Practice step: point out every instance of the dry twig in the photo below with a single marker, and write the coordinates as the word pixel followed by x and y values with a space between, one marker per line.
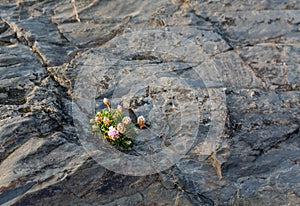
pixel 75 11
pixel 217 166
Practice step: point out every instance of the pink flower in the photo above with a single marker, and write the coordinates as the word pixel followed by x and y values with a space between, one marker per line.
pixel 141 121
pixel 113 133
pixel 121 128
pixel 106 120
pixel 126 120
pixel 92 121
pixel 98 119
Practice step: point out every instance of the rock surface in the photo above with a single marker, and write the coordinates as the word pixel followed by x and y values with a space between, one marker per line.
pixel 227 72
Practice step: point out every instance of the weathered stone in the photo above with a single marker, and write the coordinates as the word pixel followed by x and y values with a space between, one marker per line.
pixel 217 80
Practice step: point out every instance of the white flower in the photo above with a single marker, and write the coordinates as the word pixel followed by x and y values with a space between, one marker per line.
pixel 119 108
pixel 141 121
pixel 126 120
pixel 121 128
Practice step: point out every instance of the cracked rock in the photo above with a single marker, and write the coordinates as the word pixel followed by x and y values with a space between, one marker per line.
pixel 218 82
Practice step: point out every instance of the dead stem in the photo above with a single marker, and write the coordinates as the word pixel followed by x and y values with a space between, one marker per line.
pixel 75 11
pixel 217 166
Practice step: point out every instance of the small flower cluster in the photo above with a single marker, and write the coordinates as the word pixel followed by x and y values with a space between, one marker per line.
pixel 116 128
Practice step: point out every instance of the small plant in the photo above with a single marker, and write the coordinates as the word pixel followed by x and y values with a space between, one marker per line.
pixel 116 128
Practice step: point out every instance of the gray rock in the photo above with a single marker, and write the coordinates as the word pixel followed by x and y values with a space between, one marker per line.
pixel 218 82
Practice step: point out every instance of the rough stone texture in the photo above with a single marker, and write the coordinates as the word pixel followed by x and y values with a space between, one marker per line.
pixel 240 59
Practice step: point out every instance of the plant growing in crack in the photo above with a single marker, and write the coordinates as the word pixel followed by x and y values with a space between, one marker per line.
pixel 114 126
